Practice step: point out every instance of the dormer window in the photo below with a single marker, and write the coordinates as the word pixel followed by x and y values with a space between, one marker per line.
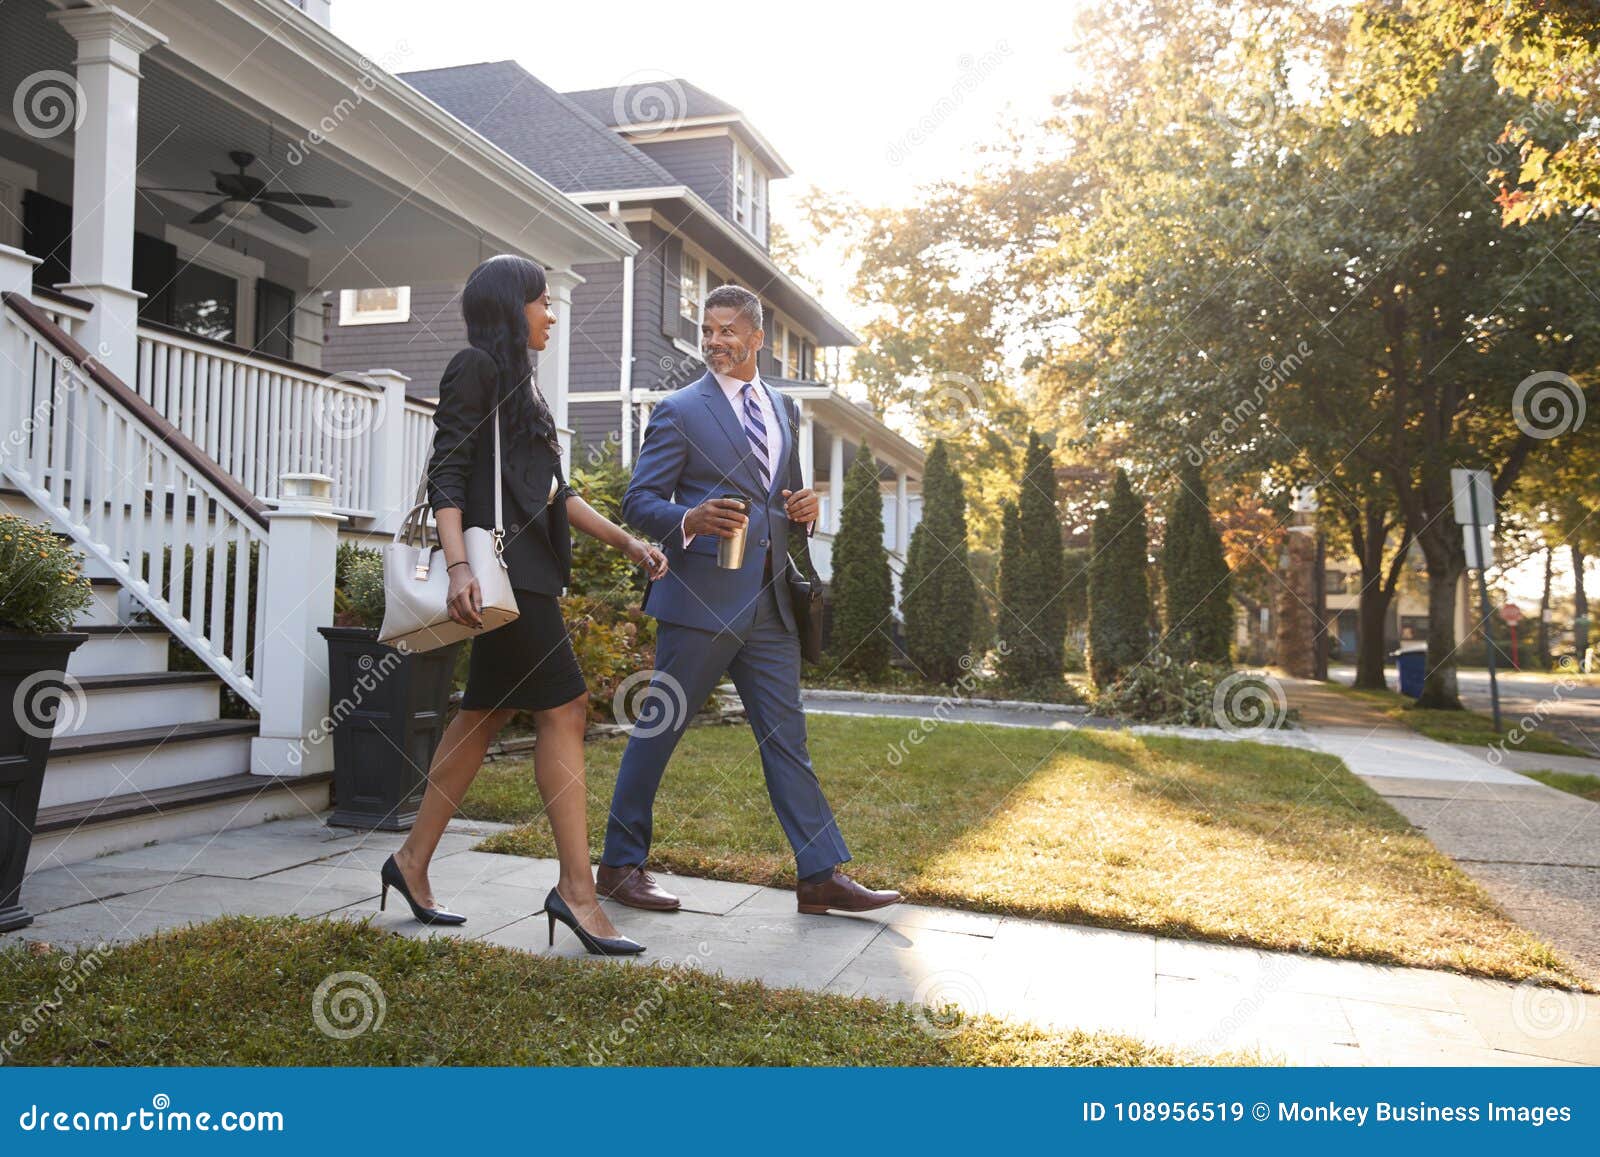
pixel 749 193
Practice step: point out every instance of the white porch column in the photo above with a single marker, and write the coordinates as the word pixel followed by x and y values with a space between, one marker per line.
pixel 555 359
pixel 392 491
pixel 16 271
pixel 902 513
pixel 835 483
pixel 303 537
pixel 808 445
pixel 104 156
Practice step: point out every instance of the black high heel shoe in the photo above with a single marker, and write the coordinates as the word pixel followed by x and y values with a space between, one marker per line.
pixel 391 876
pixel 556 908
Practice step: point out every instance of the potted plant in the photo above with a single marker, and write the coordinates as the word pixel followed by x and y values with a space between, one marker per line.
pixel 387 707
pixel 42 589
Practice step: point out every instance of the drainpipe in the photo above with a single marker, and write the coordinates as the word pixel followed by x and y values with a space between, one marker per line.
pixel 625 383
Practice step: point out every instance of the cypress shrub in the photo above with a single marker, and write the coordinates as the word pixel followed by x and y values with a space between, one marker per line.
pixel 1199 600
pixel 1119 588
pixel 863 591
pixel 937 589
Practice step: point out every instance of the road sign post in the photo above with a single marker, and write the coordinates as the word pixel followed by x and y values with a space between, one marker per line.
pixel 1474 509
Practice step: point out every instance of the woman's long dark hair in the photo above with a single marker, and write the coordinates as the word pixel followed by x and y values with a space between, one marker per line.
pixel 492 303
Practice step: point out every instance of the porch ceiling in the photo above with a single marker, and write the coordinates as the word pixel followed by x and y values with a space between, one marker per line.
pixel 429 197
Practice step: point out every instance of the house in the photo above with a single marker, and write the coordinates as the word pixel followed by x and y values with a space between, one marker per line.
pixel 180 188
pixel 686 177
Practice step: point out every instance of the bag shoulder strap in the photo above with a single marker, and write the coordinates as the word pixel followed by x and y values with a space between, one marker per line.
pixel 800 553
pixel 419 505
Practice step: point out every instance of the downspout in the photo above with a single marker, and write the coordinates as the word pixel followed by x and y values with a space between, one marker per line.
pixel 625 383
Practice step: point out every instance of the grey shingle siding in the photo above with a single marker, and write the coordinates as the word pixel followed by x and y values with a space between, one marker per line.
pixel 705 164
pixel 419 348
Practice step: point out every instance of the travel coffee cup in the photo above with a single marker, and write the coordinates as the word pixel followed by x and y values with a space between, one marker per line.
pixel 730 550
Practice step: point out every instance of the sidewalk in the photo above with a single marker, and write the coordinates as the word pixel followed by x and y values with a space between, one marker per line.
pixel 1536 850
pixel 1298 1008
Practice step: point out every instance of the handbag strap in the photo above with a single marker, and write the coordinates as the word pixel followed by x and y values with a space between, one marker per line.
pixel 801 555
pixel 413 527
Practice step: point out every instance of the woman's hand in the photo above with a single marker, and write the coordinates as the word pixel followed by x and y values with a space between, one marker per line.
pixel 647 556
pixel 465 602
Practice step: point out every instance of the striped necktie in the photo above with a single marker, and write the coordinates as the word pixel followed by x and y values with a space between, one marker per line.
pixel 756 430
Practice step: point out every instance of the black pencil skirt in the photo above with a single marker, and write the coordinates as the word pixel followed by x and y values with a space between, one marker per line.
pixel 527 664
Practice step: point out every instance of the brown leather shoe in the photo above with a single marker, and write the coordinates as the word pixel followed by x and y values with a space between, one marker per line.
pixel 630 884
pixel 842 894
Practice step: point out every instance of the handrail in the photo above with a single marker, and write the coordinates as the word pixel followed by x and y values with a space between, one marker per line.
pixel 56 297
pixel 147 414
pixel 137 495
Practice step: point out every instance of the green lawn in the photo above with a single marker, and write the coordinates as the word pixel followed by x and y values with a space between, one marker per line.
pixel 1470 728
pixel 1587 786
pixel 1239 843
pixel 241 991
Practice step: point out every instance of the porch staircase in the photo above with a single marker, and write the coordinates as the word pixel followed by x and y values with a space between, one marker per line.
pixel 141 752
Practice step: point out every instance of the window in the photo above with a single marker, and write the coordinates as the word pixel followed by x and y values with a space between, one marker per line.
pixel 749 193
pixel 205 302
pixel 689 288
pixel 779 333
pixel 274 319
pixel 374 306
pixel 791 360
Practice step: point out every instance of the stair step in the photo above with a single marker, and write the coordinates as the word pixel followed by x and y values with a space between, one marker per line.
pixel 165 799
pixel 120 649
pixel 144 700
pixel 84 767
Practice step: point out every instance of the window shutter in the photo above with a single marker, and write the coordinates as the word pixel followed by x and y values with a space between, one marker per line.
pixel 671 265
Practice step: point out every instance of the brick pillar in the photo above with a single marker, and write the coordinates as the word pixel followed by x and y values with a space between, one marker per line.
pixel 1301 638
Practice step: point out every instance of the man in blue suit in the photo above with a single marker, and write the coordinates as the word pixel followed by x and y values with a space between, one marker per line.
pixel 727 433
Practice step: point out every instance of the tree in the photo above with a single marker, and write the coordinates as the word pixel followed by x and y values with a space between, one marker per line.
pixel 1119 587
pixel 1009 626
pixel 937 588
pixel 1547 159
pixel 1199 595
pixel 863 591
pixel 1032 581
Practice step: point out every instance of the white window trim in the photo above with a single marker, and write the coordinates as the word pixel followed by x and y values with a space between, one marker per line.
pixel 401 312
pixel 747 205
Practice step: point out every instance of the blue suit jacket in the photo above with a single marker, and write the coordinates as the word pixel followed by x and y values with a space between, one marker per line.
pixel 695 448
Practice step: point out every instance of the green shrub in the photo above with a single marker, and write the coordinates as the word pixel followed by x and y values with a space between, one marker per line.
pixel 863 591
pixel 611 643
pixel 1199 600
pixel 598 571
pixel 1164 690
pixel 937 584
pixel 1119 588
pixel 42 584
pixel 358 587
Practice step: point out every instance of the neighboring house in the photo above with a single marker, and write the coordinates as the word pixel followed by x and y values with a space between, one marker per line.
pixel 691 189
pixel 162 380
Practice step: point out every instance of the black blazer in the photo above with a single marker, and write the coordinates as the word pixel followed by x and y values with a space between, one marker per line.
pixel 538 540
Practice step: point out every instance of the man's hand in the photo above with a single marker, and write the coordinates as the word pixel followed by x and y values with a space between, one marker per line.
pixel 718 517
pixel 803 505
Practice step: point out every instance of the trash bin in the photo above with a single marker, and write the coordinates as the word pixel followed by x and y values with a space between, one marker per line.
pixel 1412 667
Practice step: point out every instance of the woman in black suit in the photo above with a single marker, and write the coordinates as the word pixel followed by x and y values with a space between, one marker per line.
pixel 528 664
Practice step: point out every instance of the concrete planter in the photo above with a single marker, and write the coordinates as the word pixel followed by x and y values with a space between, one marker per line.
pixel 33 682
pixel 388 713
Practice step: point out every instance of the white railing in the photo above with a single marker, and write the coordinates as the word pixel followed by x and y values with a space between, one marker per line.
pixel 417 437
pixel 260 418
pixel 70 316
pixel 184 538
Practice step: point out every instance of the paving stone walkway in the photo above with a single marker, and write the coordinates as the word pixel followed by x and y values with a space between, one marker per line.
pixel 1296 1008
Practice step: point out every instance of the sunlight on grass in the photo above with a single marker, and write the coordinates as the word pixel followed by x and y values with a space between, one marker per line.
pixel 1234 842
pixel 1586 786
pixel 1471 728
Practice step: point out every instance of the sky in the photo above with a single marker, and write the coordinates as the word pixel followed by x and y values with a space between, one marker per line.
pixel 869 99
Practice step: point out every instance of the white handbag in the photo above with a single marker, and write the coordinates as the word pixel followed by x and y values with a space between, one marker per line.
pixel 416 578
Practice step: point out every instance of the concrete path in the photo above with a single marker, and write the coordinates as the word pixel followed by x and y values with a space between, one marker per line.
pixel 1298 1008
pixel 1536 850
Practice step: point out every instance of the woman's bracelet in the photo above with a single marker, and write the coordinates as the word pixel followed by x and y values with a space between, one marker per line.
pixel 463 562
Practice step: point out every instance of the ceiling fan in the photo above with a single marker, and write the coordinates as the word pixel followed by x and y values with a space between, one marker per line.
pixel 244 195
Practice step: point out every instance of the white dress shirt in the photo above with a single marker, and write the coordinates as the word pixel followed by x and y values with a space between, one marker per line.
pixel 731 389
